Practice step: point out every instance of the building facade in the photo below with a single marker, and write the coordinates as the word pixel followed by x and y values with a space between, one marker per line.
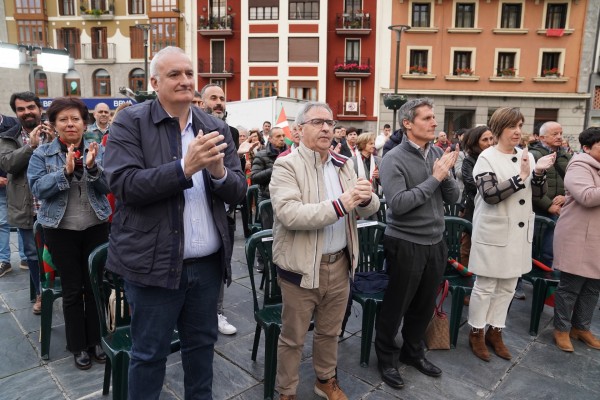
pixel 106 40
pixel 304 49
pixel 472 57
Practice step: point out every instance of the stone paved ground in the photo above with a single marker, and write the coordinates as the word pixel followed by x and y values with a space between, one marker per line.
pixel 538 370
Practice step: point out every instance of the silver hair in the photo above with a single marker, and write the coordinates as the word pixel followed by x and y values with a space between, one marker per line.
pixel 274 128
pixel 158 56
pixel 242 129
pixel 408 110
pixel 545 126
pixel 306 107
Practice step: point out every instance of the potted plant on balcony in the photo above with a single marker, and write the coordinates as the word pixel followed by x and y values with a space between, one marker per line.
pixel 352 67
pixel 417 70
pixel 551 73
pixel 510 72
pixel 464 71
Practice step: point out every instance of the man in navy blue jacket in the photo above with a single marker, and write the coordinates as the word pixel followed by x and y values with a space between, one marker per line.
pixel 172 167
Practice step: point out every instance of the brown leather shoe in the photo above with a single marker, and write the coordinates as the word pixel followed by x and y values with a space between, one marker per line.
pixel 477 343
pixel 493 338
pixel 563 341
pixel 330 390
pixel 586 337
pixel 37 307
pixel 287 397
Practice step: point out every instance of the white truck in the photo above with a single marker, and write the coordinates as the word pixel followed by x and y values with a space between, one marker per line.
pixel 252 113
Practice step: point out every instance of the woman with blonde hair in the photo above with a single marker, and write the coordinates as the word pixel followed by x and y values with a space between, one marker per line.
pixel 366 165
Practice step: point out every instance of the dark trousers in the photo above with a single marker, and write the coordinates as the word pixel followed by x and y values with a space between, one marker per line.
pixel 155 314
pixel 70 251
pixel 415 272
pixel 575 300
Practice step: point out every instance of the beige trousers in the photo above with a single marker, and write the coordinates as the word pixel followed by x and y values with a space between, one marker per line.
pixel 327 304
pixel 490 300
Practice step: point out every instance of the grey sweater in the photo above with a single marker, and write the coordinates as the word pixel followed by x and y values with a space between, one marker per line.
pixel 414 197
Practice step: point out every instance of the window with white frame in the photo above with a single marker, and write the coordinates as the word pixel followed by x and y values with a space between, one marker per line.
pixel 421 13
pixel 462 62
pixel 507 62
pixel 556 15
pixel 511 15
pixel 551 62
pixel 418 60
pixel 304 9
pixel 352 51
pixel 464 15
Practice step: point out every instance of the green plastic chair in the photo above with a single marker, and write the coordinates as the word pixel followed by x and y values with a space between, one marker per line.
pixel 459 285
pixel 264 206
pixel 267 317
pixel 116 344
pixel 51 289
pixel 542 281
pixel 254 224
pixel 452 210
pixel 370 259
pixel 381 213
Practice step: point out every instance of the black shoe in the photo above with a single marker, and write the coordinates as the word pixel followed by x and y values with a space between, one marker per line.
pixel 423 365
pixel 82 360
pixel 97 354
pixel 391 376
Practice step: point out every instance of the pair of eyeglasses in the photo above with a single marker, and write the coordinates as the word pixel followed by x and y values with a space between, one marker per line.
pixel 318 122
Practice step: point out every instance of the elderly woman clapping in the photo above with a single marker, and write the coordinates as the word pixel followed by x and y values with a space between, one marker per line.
pixel 67 177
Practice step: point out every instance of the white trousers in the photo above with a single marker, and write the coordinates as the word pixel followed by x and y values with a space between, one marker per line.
pixel 490 300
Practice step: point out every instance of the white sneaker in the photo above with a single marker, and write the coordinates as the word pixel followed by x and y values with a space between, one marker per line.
pixel 225 327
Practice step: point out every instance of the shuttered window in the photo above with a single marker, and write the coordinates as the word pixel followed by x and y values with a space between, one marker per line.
pixel 303 49
pixel 263 49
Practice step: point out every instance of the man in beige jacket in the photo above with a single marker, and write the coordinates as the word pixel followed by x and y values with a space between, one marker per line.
pixel 316 198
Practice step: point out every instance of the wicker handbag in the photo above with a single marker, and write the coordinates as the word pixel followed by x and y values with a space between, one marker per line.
pixel 437 335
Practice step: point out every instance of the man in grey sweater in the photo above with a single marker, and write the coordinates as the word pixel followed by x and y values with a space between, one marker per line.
pixel 416 182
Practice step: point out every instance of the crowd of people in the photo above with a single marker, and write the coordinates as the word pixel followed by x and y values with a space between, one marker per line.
pixel 161 182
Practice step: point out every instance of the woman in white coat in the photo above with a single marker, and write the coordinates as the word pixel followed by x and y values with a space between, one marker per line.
pixel 502 228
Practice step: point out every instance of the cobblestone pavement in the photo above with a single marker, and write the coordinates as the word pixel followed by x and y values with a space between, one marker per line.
pixel 538 369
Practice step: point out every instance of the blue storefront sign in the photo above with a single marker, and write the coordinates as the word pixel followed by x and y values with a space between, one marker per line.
pixel 91 103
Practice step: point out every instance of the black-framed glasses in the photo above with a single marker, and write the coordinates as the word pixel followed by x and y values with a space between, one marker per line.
pixel 319 122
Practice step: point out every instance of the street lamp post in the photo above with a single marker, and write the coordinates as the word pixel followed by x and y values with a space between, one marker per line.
pixel 398 29
pixel 145 28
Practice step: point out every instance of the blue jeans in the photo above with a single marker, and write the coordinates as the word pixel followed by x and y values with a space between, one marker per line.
pixel 22 256
pixel 4 228
pixel 155 314
pixel 31 254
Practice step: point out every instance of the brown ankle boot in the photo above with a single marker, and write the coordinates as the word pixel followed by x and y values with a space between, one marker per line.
pixel 586 337
pixel 477 343
pixel 563 341
pixel 493 338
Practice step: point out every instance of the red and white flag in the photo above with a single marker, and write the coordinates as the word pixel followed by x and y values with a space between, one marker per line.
pixel 282 123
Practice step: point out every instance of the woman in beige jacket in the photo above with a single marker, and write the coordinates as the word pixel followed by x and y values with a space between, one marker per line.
pixel 576 250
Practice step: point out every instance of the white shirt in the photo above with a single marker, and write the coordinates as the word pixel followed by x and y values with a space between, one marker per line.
pixel 335 234
pixel 201 237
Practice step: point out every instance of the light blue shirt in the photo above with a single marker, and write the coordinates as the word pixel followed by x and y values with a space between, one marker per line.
pixel 201 237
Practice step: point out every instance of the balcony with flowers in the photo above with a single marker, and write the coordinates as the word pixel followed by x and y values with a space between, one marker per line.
pixel 462 74
pixel 510 72
pixel 352 68
pixel 102 11
pixel 417 70
pixel 551 75
pixel 216 26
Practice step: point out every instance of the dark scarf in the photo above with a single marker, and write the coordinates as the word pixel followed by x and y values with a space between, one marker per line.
pixel 78 171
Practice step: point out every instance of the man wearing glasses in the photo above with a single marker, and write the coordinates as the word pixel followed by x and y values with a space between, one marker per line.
pixel 316 199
